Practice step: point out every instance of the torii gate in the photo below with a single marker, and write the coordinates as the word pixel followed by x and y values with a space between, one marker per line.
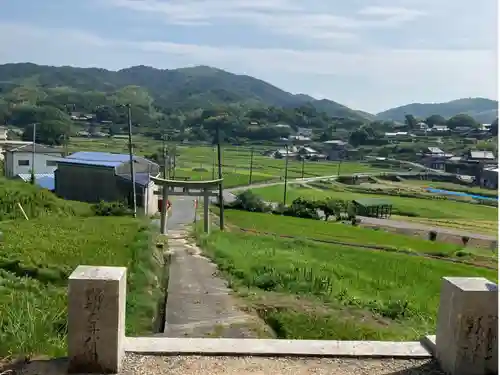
pixel 205 189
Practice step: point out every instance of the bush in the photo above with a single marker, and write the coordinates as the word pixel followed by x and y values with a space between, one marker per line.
pixel 303 208
pixel 432 235
pixel 111 209
pixel 249 201
pixel 465 240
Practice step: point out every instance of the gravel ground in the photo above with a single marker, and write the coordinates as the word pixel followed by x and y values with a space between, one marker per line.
pixel 195 365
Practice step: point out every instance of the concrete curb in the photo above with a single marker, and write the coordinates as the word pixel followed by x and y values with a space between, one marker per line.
pixel 275 348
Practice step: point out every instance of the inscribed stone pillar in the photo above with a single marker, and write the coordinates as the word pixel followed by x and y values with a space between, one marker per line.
pixel 96 319
pixel 467 326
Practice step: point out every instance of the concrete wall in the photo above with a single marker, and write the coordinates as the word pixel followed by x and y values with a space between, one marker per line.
pixel 141 165
pixel 150 200
pixel 12 159
pixel 86 183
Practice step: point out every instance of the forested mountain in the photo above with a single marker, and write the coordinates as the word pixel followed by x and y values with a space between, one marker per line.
pixel 182 89
pixel 189 103
pixel 482 110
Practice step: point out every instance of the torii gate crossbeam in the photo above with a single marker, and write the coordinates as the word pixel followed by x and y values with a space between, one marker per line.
pixel 206 189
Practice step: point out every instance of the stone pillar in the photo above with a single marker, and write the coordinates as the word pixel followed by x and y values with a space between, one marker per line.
pixel 96 319
pixel 467 326
pixel 206 212
pixel 164 212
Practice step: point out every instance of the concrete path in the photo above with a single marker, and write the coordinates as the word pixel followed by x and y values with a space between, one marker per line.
pixel 199 303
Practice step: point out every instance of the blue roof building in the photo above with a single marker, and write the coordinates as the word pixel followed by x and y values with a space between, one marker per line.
pixel 89 176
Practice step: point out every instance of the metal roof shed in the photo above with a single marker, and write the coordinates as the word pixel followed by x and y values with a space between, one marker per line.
pixel 373 207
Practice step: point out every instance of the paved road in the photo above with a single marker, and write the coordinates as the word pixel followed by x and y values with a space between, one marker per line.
pixel 183 207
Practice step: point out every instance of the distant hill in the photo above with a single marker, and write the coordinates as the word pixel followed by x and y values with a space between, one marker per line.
pixel 482 109
pixel 177 89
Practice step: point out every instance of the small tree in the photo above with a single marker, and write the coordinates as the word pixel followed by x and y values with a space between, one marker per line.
pixel 249 201
pixel 330 207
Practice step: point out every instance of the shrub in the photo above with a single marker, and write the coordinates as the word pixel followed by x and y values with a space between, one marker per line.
pixel 249 201
pixel 432 235
pixel 111 209
pixel 279 209
pixel 303 208
pixel 465 240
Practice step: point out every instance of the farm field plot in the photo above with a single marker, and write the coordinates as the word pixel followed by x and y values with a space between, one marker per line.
pixel 453 187
pixel 487 227
pixel 36 258
pixel 198 161
pixel 306 290
pixel 403 206
pixel 333 231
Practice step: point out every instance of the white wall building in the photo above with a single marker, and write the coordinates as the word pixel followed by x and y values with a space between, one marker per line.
pixel 19 160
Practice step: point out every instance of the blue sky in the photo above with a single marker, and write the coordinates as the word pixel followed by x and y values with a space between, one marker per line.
pixel 367 54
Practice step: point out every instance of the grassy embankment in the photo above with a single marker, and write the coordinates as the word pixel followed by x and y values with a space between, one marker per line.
pixel 37 256
pixel 443 212
pixel 308 290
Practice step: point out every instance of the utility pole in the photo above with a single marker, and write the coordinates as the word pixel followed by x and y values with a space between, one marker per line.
pixel 174 163
pixel 165 167
pixel 338 167
pixel 213 163
pixel 303 162
pixel 286 174
pixel 131 154
pixel 221 195
pixel 33 156
pixel 251 166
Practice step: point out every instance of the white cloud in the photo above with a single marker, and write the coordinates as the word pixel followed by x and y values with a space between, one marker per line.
pixel 380 77
pixel 287 17
pixel 393 15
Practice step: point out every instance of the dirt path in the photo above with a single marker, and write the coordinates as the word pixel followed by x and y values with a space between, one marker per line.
pixel 193 365
pixel 416 226
pixel 199 303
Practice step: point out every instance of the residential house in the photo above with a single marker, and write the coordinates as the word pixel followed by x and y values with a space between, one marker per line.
pixel 19 160
pixel 336 149
pixel 282 126
pixel 480 156
pixel 396 134
pixel 101 176
pixel 435 158
pixel 281 153
pixel 77 116
pixel 305 132
pixel 489 178
pixel 435 152
pixel 440 129
pixel 422 126
pixel 299 138
pixel 306 152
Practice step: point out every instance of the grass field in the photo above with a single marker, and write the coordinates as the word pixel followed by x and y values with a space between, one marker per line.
pixel 36 258
pixel 403 206
pixel 306 290
pixel 333 231
pixel 236 161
